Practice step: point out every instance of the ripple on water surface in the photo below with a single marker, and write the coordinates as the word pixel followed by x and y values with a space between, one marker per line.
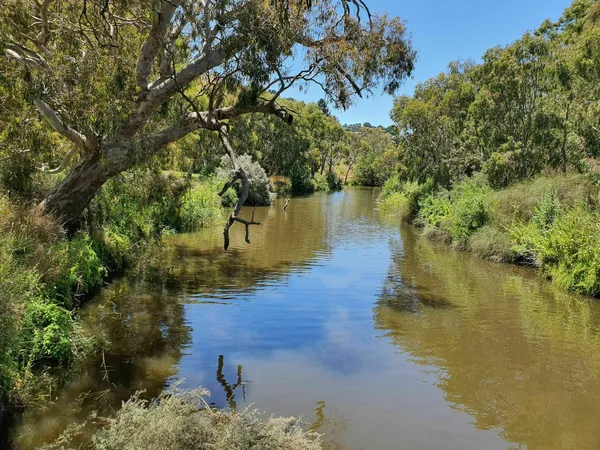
pixel 378 338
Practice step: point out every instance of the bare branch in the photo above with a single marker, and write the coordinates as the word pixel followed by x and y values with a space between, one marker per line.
pixel 210 121
pixel 25 55
pixel 63 164
pixel 6 158
pixel 154 42
pixel 42 37
pixel 55 122
pixel 241 175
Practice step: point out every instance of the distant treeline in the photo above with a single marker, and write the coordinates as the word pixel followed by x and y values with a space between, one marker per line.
pixel 531 105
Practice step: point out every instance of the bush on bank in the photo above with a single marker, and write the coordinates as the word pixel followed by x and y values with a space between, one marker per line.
pixel 45 274
pixel 183 421
pixel 550 221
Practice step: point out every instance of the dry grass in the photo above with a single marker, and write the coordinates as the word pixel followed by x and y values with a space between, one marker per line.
pixel 518 202
pixel 182 420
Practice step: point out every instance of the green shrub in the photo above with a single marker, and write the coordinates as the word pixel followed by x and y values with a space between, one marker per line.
pixel 320 183
pixel 404 199
pixel 334 182
pixel 46 332
pixel 183 421
pixel 200 206
pixel 391 186
pixel 564 242
pixel 281 185
pixel 435 209
pixel 396 203
pixel 501 169
pixel 302 182
pixel 79 267
pixel 469 209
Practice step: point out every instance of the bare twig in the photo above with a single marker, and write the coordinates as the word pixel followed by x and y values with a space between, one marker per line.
pixel 6 158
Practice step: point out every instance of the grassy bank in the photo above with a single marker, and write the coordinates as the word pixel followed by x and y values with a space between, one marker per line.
pixel 550 222
pixel 45 274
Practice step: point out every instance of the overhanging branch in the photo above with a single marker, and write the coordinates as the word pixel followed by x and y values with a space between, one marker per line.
pixel 153 43
pixel 59 126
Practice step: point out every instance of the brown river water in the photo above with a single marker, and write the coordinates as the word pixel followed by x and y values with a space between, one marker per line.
pixel 378 338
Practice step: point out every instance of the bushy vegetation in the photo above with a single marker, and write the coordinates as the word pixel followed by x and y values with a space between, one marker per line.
pixel 526 108
pixel 182 420
pixel 259 193
pixel 550 222
pixel 45 274
pixel 491 139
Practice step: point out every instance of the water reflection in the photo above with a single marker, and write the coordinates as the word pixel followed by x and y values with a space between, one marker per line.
pixel 143 335
pixel 517 354
pixel 231 389
pixel 378 338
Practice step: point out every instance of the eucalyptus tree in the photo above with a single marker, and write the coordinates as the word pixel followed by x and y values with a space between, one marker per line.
pixel 120 80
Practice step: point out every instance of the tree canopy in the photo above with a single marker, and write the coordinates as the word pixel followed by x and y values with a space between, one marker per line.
pixel 111 84
pixel 528 106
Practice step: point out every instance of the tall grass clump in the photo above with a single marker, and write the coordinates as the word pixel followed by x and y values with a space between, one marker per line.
pixel 182 420
pixel 564 242
pixel 201 206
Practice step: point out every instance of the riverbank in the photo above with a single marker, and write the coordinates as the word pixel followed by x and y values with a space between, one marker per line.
pixel 45 275
pixel 550 222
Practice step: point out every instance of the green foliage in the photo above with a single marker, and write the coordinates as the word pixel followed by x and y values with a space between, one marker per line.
pixel 302 182
pixel 392 185
pixel 79 267
pixel 523 110
pixel 566 245
pixel 44 275
pixel 459 212
pixel 333 181
pixel 374 156
pixel 182 420
pixel 201 206
pixel 550 221
pixel 404 199
pixel 46 332
pixel 320 183
pixel 435 209
pixel 281 185
pixel 469 208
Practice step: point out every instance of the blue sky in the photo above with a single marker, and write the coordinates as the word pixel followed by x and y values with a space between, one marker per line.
pixel 443 31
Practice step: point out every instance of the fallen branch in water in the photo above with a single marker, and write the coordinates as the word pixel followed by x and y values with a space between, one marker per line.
pixel 239 174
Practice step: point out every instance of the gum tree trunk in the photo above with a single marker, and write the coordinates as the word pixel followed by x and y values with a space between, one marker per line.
pixel 68 200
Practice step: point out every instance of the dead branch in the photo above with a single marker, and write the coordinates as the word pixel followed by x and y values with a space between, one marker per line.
pixel 239 174
pixel 64 163
pixel 287 203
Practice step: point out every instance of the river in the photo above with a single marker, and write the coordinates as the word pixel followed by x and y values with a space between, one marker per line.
pixel 378 338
